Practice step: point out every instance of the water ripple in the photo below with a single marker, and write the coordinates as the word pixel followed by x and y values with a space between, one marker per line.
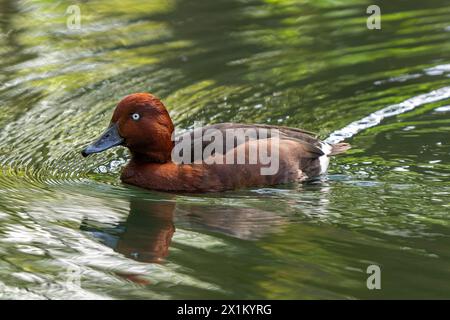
pixel 390 111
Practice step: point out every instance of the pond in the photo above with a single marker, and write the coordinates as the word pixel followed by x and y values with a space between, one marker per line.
pixel 69 229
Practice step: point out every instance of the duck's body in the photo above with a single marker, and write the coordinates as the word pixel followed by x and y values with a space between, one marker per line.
pixel 300 154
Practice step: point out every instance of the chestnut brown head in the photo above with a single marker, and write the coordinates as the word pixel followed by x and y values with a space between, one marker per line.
pixel 141 123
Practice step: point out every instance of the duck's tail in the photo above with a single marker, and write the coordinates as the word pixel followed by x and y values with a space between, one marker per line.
pixel 330 150
pixel 339 148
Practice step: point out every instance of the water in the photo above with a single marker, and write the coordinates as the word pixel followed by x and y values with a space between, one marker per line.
pixel 308 64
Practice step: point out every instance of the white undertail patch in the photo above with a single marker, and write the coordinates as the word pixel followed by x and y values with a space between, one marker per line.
pixel 325 159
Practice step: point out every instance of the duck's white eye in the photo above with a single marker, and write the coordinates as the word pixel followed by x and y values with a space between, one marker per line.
pixel 135 116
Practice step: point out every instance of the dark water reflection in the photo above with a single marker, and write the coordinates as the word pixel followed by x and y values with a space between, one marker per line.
pixel 145 235
pixel 309 64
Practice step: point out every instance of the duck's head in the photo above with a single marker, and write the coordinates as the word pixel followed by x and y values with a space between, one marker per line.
pixel 141 123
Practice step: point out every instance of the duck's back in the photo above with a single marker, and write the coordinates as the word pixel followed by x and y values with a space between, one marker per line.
pixel 201 137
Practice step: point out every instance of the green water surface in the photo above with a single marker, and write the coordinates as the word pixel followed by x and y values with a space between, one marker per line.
pixel 301 63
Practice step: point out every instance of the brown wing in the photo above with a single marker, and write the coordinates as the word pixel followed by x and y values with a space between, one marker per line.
pixel 308 140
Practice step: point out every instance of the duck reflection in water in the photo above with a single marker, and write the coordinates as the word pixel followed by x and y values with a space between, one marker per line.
pixel 147 233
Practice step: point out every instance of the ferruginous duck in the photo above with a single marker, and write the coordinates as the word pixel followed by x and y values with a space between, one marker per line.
pixel 217 157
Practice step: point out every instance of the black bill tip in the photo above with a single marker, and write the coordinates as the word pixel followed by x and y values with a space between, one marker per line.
pixel 84 153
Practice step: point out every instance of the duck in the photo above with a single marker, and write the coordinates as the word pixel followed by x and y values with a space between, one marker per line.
pixel 141 123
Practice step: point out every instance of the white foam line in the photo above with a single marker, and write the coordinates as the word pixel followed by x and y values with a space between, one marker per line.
pixel 390 111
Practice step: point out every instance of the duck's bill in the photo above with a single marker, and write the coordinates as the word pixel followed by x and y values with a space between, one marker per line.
pixel 110 138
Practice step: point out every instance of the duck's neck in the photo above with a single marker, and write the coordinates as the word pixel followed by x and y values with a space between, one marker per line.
pixel 156 149
pixel 151 157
